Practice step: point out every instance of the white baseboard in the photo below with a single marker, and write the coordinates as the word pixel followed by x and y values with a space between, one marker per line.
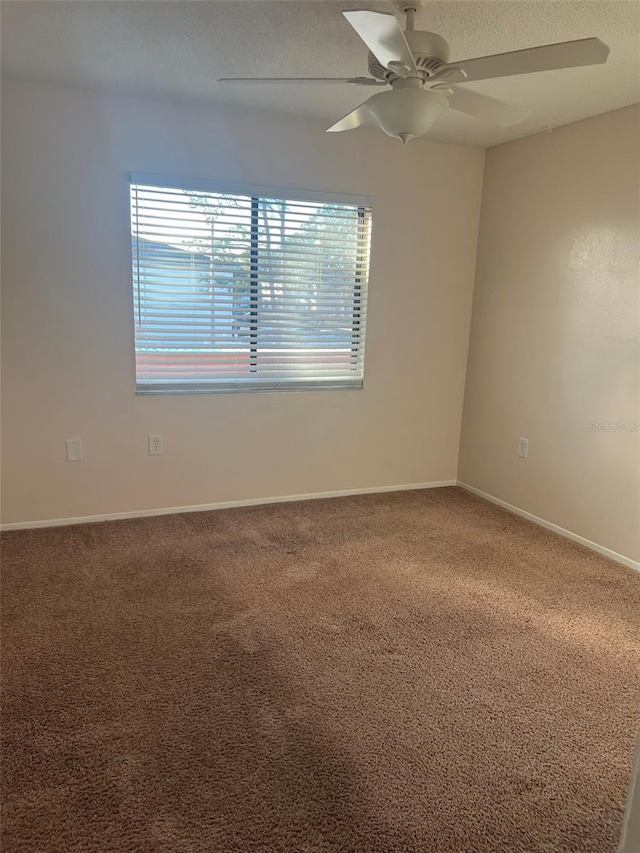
pixel 549 525
pixel 175 510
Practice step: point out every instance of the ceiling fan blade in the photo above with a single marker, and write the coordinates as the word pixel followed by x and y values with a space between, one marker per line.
pixel 485 108
pixel 566 54
pixel 383 36
pixel 352 120
pixel 356 81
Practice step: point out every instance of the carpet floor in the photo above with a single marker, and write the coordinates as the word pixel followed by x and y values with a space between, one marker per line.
pixel 417 672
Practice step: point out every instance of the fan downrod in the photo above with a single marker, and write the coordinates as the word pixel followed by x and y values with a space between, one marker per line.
pixel 409 12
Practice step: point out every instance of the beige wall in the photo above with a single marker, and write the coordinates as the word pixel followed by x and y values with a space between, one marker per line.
pixel 554 340
pixel 68 367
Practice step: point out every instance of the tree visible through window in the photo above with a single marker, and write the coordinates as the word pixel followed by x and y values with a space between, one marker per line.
pixel 240 290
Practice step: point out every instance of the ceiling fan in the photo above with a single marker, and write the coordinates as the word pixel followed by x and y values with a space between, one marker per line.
pixel 415 64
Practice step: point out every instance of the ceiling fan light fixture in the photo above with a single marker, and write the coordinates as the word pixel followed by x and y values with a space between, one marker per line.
pixel 407 113
pixel 407 60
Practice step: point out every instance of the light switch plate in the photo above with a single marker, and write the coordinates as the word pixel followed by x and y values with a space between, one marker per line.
pixel 74 450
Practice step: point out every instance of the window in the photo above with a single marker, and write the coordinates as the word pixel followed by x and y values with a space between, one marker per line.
pixel 241 287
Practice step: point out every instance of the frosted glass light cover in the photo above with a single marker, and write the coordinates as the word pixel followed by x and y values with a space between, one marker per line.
pixel 406 113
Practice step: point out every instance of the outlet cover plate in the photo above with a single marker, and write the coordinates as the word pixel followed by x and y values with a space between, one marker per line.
pixel 154 443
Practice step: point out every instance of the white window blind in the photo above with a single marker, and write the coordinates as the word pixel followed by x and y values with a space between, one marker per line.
pixel 241 287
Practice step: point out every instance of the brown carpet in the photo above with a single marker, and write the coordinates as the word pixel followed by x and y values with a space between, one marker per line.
pixel 418 671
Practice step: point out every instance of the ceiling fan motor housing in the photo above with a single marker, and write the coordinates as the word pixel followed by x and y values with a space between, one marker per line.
pixel 429 50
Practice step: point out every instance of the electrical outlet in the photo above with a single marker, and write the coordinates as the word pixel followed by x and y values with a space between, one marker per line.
pixel 74 450
pixel 155 445
pixel 523 447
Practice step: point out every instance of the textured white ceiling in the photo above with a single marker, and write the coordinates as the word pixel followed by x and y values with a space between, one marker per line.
pixel 180 47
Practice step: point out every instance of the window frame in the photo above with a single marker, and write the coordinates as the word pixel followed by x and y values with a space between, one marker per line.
pixel 257 193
